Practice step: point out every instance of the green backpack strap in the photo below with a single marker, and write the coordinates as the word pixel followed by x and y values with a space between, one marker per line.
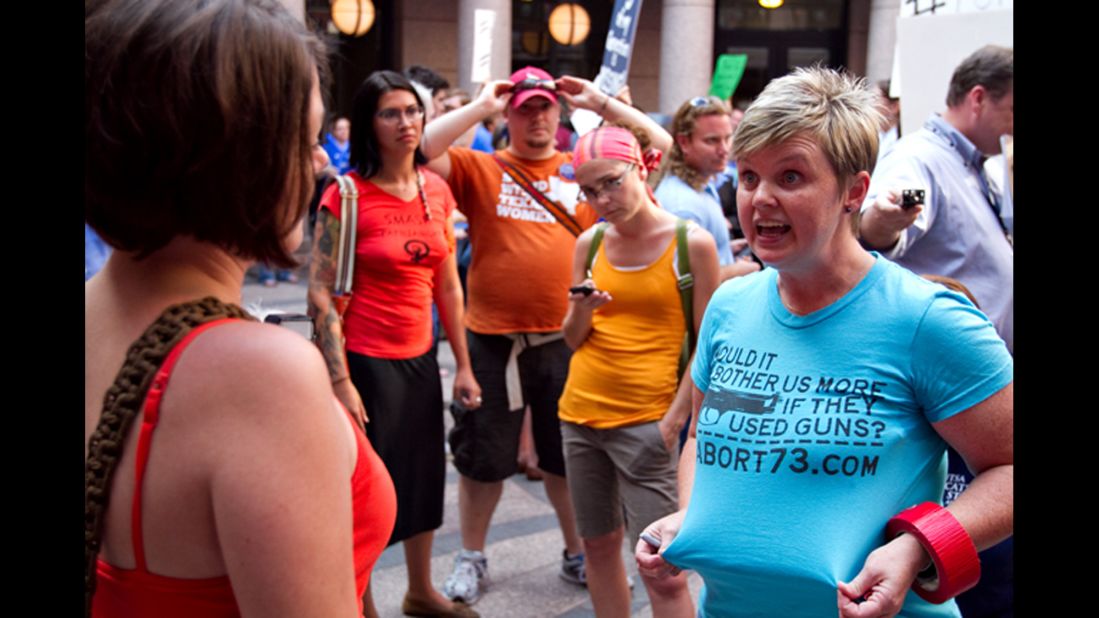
pixel 596 240
pixel 686 282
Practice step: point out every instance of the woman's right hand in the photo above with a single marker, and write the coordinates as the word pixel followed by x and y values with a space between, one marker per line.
pixel 349 396
pixel 650 561
pixel 590 301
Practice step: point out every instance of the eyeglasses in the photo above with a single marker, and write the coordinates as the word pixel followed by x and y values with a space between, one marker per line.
pixel 609 186
pixel 392 115
pixel 532 83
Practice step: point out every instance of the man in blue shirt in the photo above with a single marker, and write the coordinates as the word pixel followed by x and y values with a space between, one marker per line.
pixel 957 232
pixel 703 133
pixel 338 145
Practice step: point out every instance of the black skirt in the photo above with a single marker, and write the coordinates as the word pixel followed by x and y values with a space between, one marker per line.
pixel 404 402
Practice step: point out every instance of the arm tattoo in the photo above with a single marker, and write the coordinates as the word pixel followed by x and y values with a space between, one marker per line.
pixel 322 277
pixel 331 344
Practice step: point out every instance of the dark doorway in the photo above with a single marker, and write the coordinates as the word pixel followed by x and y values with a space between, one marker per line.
pixel 799 33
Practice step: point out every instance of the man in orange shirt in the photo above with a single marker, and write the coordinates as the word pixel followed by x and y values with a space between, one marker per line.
pixel 524 212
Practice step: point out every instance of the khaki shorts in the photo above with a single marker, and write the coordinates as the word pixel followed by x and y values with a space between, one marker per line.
pixel 614 470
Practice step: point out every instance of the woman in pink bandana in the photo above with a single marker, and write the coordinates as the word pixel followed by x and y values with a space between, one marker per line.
pixel 623 408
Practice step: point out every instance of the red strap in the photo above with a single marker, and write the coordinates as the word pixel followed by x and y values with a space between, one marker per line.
pixel 152 415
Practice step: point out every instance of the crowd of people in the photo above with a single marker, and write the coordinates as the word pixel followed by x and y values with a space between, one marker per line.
pixel 715 338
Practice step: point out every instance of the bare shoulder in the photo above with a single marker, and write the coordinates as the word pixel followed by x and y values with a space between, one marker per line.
pixel 586 236
pixel 699 242
pixel 243 369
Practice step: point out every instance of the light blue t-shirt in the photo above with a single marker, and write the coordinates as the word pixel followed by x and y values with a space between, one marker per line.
pixel 702 207
pixel 816 429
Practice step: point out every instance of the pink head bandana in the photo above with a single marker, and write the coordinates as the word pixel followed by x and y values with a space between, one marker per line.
pixel 614 143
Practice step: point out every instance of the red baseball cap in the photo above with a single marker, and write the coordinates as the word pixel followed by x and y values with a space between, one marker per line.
pixel 535 83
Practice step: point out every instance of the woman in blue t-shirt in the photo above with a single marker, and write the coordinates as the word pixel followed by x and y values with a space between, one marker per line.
pixel 826 391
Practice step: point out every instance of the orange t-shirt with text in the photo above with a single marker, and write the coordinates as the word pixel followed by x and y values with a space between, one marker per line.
pixel 521 269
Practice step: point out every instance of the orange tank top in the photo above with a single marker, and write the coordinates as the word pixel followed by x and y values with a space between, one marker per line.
pixel 139 592
pixel 625 371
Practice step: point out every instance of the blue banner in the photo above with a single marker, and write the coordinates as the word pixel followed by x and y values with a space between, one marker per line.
pixel 619 47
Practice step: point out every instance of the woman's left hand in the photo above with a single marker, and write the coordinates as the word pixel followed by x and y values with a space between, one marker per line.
pixel 883 581
pixel 580 93
pixel 466 389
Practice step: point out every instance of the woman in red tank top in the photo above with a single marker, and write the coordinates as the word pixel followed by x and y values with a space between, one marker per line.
pixel 380 355
pixel 223 478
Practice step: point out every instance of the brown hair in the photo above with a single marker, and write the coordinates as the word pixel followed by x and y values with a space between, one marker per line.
pixel 991 66
pixel 953 284
pixel 684 124
pixel 197 123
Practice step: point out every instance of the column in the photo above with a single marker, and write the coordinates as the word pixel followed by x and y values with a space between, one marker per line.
pixel 686 51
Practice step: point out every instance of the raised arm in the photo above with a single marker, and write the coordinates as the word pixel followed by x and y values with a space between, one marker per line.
pixel 583 94
pixel 326 319
pixel 441 132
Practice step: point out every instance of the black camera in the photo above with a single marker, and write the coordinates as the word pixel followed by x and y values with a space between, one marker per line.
pixel 911 197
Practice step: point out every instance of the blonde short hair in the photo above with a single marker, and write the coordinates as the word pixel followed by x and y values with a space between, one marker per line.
pixel 838 110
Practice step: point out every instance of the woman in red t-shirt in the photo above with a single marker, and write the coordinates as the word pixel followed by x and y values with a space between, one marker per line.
pixel 404 260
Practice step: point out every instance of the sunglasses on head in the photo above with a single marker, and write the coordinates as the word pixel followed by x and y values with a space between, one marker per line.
pixel 532 83
pixel 707 100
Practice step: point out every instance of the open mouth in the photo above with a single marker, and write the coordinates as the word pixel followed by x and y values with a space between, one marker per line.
pixel 771 229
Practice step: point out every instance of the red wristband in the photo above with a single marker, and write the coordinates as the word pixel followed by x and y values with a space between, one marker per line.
pixel 957 566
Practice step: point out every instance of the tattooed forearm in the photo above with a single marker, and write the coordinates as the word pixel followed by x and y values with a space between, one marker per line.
pixel 322 277
pixel 331 345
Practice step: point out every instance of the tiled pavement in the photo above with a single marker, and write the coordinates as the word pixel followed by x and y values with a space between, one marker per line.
pixel 524 550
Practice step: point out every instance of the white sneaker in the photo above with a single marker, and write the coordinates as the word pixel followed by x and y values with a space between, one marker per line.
pixel 464 583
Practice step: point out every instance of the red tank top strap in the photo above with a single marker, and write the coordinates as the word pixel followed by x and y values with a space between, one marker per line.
pixel 148 424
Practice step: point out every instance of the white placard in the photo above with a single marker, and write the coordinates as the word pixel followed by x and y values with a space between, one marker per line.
pixel 483 22
pixel 584 120
pixel 912 8
pixel 929 50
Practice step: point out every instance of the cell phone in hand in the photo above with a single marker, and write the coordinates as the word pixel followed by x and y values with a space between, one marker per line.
pixel 650 539
pixel 586 290
pixel 911 197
